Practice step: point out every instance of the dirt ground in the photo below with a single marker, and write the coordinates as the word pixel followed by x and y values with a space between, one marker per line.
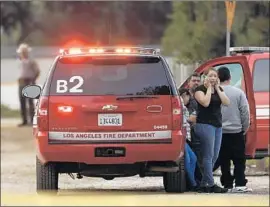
pixel 18 172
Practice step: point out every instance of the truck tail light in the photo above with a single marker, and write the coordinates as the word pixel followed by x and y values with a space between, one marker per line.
pixel 177 113
pixel 65 109
pixel 42 114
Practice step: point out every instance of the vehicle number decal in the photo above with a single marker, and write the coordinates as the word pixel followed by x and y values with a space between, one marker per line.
pixel 160 126
pixel 62 85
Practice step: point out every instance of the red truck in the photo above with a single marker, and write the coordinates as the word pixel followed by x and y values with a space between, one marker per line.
pixel 109 112
pixel 249 67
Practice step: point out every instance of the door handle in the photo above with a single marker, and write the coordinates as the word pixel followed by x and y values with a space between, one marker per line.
pixel 154 108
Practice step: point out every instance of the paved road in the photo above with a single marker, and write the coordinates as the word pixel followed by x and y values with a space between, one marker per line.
pixel 18 183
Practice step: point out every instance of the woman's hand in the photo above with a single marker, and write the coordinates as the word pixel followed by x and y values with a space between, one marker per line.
pixel 224 99
pixel 192 118
pixel 207 83
pixel 217 85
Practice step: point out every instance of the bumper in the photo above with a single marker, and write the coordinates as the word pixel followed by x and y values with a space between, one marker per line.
pixel 85 153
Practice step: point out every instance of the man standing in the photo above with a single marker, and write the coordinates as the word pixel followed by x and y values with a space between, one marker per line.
pixel 193 83
pixel 235 124
pixel 29 74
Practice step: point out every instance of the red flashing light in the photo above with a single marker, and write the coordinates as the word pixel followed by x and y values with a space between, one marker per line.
pixel 94 50
pixel 100 50
pixel 127 50
pixel 119 50
pixel 97 50
pixel 74 51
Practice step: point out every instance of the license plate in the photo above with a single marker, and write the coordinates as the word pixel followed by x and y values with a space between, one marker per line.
pixel 109 119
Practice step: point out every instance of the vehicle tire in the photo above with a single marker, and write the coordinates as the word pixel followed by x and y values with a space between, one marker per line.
pixel 175 182
pixel 46 177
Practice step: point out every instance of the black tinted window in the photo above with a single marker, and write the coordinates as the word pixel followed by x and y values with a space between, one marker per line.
pixel 109 76
pixel 261 75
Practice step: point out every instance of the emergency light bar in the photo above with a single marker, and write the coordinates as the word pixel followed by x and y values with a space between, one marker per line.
pixel 248 49
pixel 109 50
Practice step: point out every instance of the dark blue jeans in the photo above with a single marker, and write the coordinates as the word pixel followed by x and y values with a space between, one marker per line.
pixel 210 137
pixel 190 164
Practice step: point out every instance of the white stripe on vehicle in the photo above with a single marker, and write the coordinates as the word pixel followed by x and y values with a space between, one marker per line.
pixel 110 136
pixel 262 112
pixel 262 106
pixel 262 117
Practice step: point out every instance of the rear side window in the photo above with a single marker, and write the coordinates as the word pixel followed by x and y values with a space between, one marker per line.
pixel 237 75
pixel 261 76
pixel 109 76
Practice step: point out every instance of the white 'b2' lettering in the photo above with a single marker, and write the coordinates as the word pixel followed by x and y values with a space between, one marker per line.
pixel 61 85
pixel 75 89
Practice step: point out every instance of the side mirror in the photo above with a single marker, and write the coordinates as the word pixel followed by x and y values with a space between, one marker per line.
pixel 31 91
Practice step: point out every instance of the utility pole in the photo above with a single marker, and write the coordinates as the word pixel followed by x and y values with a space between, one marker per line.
pixel 230 9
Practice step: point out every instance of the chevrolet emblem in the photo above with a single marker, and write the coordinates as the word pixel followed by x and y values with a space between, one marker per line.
pixel 109 107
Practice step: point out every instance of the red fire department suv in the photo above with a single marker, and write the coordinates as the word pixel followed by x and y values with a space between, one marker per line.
pixel 108 112
pixel 249 67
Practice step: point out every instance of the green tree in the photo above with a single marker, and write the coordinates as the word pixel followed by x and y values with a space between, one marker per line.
pixel 108 22
pixel 20 15
pixel 191 33
pixel 251 26
pixel 94 22
pixel 197 30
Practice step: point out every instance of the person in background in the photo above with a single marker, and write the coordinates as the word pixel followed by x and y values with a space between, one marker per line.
pixel 235 124
pixel 28 75
pixel 208 127
pixel 193 82
pixel 190 157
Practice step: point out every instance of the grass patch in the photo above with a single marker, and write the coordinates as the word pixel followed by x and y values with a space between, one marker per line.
pixel 253 162
pixel 7 112
pixel 261 165
pixel 267 162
